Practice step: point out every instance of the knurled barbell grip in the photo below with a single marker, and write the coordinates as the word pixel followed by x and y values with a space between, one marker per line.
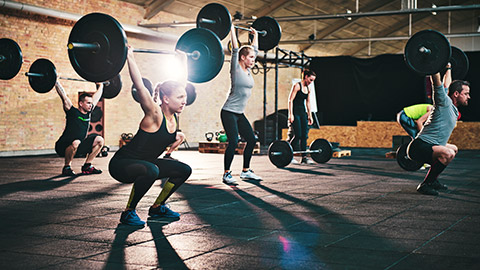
pixel 261 32
pixel 83 46
pixel 297 152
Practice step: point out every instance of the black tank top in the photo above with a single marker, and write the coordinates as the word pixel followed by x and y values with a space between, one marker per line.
pixel 147 145
pixel 300 97
pixel 76 126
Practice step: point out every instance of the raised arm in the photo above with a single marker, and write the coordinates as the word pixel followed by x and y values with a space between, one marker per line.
pixel 233 37
pixel 447 78
pixel 255 37
pixel 67 103
pixel 98 95
pixel 144 97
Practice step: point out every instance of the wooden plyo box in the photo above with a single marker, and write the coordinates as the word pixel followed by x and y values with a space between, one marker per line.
pixel 220 147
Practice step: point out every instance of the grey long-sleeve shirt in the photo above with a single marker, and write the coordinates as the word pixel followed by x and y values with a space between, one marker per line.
pixel 442 120
pixel 242 84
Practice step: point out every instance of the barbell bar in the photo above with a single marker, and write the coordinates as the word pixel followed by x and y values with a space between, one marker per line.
pixel 42 77
pixel 281 153
pixel 217 18
pixel 97 49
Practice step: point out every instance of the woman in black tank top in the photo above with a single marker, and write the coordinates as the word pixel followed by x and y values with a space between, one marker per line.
pixel 299 115
pixel 138 162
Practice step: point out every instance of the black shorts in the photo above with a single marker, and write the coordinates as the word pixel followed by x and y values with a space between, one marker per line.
pixel 420 151
pixel 84 148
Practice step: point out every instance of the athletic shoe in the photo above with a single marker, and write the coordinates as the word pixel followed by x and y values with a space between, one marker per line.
pixel 426 189
pixel 307 161
pixel 67 171
pixel 162 211
pixel 228 179
pixel 294 161
pixel 130 217
pixel 250 175
pixel 90 170
pixel 439 186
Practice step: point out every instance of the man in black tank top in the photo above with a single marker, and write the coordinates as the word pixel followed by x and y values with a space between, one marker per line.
pixel 74 138
pixel 299 115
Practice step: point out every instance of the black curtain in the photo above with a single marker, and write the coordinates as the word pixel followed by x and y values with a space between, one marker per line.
pixel 350 89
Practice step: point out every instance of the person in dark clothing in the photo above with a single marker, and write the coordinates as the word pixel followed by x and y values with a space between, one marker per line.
pixel 74 139
pixel 138 161
pixel 299 114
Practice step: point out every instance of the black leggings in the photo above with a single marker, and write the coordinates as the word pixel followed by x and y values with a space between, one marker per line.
pixel 144 173
pixel 300 128
pixel 235 124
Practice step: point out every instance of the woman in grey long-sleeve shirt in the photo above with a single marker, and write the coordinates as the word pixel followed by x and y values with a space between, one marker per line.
pixel 232 114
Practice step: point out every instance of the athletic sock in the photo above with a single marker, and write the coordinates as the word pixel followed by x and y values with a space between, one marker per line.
pixel 168 189
pixel 434 171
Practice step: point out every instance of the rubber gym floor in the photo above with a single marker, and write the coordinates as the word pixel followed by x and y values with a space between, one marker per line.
pixel 356 212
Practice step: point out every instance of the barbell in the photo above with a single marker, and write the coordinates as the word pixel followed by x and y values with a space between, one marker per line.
pixel 428 52
pixel 217 18
pixel 11 58
pixel 189 88
pixel 42 77
pixel 281 152
pixel 97 49
pixel 404 161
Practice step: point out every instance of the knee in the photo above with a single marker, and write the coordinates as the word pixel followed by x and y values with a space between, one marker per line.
pixel 185 171
pixel 75 144
pixel 99 141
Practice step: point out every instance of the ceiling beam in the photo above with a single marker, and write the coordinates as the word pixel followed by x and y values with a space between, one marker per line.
pixel 155 7
pixel 388 31
pixel 341 24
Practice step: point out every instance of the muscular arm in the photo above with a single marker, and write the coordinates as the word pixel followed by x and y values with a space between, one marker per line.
pixel 144 97
pixel 98 95
pixel 67 103
pixel 447 78
pixel 178 140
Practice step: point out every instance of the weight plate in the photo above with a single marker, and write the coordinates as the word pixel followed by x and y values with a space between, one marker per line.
pixel 274 32
pixel 404 161
pixel 427 63
pixel 113 88
pixel 105 63
pixel 218 13
pixel 96 115
pixel 280 153
pixel 191 93
pixel 11 58
pixel 147 83
pixel 460 64
pixel 45 83
pixel 326 152
pixel 210 62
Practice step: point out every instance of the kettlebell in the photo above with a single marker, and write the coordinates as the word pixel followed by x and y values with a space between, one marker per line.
pixel 209 136
pixel 221 136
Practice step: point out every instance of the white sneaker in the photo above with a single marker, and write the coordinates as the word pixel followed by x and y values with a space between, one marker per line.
pixel 250 175
pixel 294 161
pixel 228 179
pixel 308 161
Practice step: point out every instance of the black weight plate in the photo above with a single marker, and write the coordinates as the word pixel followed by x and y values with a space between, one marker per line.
pixel 11 58
pixel 460 64
pixel 210 62
pixel 326 152
pixel 218 13
pixel 147 83
pixel 191 93
pixel 97 114
pixel 404 161
pixel 423 63
pixel 45 83
pixel 285 155
pixel 106 63
pixel 274 32
pixel 113 88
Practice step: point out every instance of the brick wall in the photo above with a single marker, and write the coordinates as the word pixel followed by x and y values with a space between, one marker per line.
pixel 31 121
